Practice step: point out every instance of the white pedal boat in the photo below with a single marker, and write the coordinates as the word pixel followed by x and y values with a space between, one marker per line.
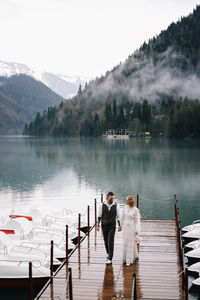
pixel 25 230
pixel 193 255
pixel 12 252
pixel 192 245
pixel 194 225
pixel 195 286
pixel 194 269
pixel 191 235
pixel 15 274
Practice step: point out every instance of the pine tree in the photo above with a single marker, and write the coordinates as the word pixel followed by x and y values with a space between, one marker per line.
pixel 108 115
pixel 79 90
pixel 121 118
pixel 114 118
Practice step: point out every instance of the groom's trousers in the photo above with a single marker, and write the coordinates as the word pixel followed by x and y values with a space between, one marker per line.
pixel 109 235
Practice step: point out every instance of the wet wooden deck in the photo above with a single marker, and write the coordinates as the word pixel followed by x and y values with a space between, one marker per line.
pixel 157 269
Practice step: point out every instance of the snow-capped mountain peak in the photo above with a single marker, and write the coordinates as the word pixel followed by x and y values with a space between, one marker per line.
pixel 64 85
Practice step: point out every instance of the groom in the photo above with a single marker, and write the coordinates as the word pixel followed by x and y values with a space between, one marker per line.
pixel 109 212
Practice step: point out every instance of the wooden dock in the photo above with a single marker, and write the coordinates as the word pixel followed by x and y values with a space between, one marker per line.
pixel 157 270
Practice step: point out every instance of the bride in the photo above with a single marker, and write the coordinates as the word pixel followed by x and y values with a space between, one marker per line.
pixel 131 230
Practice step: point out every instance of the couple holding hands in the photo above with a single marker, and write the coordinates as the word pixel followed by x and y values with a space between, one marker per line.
pixel 129 223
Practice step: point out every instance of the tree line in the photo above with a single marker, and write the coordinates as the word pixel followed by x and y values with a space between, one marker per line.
pixel 168 116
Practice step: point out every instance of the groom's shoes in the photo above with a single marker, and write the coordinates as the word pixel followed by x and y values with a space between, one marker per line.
pixel 109 262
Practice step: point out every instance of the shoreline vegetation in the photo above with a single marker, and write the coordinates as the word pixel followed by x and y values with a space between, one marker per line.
pixel 169 117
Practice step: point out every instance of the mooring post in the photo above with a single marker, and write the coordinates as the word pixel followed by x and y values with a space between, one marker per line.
pixel 134 288
pixel 175 208
pixel 79 229
pixel 137 200
pixel 51 263
pixel 67 244
pixel 30 282
pixel 70 284
pixel 88 214
pixel 95 211
pixel 186 283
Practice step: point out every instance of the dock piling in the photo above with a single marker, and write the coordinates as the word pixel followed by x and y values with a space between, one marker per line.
pixel 95 211
pixel 79 229
pixel 137 200
pixel 30 282
pixel 70 284
pixel 51 263
pixel 134 287
pixel 88 217
pixel 186 283
pixel 67 245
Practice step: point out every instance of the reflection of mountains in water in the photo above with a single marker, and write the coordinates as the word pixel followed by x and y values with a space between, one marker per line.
pixel 22 166
pixel 155 169
pixel 124 166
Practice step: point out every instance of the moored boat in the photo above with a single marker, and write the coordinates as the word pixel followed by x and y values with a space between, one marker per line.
pixel 118 133
pixel 192 245
pixel 191 235
pixel 194 225
pixel 194 269
pixel 195 288
pixel 16 275
pixel 193 256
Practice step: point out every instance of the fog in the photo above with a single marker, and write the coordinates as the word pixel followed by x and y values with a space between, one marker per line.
pixel 149 79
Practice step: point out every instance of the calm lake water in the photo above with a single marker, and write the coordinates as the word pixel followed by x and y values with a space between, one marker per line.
pixel 71 172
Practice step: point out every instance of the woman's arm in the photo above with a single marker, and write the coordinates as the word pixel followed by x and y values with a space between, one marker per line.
pixel 137 222
pixel 122 217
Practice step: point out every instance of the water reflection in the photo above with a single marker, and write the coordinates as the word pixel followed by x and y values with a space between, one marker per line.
pixel 108 283
pixel 128 281
pixel 51 167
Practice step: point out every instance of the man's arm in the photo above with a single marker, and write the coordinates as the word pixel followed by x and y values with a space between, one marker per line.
pixel 99 216
pixel 99 221
pixel 118 218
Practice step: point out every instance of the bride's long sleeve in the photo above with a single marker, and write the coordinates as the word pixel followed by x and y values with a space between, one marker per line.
pixel 137 222
pixel 123 216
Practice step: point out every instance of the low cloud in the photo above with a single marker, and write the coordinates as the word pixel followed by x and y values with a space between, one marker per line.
pixel 140 77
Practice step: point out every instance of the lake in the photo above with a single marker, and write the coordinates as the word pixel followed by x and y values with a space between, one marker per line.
pixel 71 172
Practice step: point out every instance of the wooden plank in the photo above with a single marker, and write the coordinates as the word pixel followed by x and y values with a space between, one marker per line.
pixel 157 269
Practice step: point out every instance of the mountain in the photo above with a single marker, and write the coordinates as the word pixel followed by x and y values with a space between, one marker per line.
pixel 155 89
pixel 65 86
pixel 21 97
pixel 12 116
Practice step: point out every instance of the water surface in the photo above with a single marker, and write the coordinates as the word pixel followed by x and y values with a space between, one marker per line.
pixel 71 172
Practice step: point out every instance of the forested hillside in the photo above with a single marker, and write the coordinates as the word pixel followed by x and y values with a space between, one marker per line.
pixel 21 97
pixel 157 88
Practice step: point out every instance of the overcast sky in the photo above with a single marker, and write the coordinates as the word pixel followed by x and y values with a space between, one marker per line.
pixel 82 37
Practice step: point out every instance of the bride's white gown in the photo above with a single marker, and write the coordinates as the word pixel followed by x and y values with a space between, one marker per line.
pixel 130 221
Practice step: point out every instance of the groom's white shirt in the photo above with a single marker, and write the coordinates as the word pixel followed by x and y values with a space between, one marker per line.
pixel 109 207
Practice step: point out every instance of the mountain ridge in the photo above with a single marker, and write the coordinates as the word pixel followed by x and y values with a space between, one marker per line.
pixel 21 97
pixel 63 85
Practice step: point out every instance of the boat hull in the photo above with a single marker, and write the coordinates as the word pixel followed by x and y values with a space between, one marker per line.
pixel 85 229
pixel 187 240
pixel 22 283
pixel 195 288
pixel 118 137
pixel 194 270
pixel 193 260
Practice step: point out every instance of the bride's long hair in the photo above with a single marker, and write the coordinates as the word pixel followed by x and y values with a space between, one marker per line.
pixel 130 201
